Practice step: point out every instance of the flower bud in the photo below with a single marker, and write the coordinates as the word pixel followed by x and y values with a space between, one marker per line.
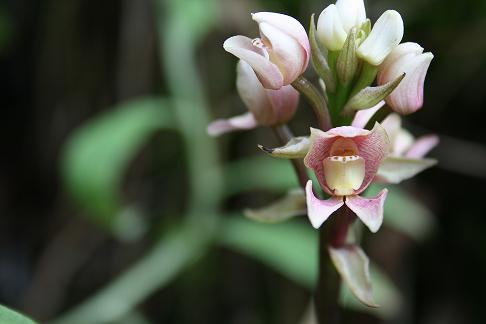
pixel 270 107
pixel 352 13
pixel 330 30
pixel 336 21
pixel 406 58
pixel 266 107
pixel 280 56
pixel 384 37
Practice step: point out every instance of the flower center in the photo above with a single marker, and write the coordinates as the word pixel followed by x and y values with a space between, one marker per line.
pixel 344 170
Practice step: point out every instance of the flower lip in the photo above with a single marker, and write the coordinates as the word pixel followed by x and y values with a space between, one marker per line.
pixel 344 174
pixel 372 146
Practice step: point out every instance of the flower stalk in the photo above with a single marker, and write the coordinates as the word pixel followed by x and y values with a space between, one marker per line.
pixel 316 100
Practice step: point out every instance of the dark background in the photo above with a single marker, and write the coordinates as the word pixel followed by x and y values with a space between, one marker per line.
pixel 62 63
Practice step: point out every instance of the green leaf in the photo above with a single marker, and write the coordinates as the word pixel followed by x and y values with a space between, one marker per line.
pixel 97 154
pixel 296 148
pixel 353 266
pixel 404 213
pixel 8 316
pixel 258 172
pixel 291 205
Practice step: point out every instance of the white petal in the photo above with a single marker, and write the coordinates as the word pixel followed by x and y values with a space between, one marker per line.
pixel 352 13
pixel 330 30
pixel 384 37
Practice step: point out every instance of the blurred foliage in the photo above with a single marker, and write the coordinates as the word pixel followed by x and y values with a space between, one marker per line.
pixel 8 316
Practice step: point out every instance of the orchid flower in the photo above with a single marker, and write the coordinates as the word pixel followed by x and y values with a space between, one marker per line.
pixel 408 58
pixel 282 53
pixel 266 107
pixel 345 160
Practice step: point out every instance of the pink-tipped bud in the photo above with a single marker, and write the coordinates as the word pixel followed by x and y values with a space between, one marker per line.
pixel 406 58
pixel 280 56
pixel 269 107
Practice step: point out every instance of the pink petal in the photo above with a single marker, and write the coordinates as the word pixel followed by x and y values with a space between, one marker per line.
pixel 267 72
pixel 285 52
pixel 288 25
pixel 241 122
pixel 396 54
pixel 320 146
pixel 369 210
pixel 422 146
pixel 320 210
pixel 373 148
pixel 284 104
pixel 392 124
pixel 253 93
pixel 362 117
pixel 402 142
pixel 348 131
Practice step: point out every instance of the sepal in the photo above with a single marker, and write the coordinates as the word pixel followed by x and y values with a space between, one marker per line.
pixel 319 60
pixel 296 148
pixel 347 61
pixel 353 266
pixel 291 205
pixel 371 96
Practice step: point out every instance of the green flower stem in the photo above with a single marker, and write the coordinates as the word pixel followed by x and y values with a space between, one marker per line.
pixel 284 135
pixel 328 285
pixel 366 78
pixel 316 100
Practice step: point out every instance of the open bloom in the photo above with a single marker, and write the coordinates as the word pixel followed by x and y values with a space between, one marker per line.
pixel 345 161
pixel 406 158
pixel 408 58
pixel 266 107
pixel 336 21
pixel 282 53
pixel 386 34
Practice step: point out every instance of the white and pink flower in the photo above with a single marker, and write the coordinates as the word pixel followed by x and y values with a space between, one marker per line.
pixel 345 161
pixel 408 58
pixel 282 53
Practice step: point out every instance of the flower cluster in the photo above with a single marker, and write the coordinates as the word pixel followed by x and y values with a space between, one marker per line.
pixel 368 79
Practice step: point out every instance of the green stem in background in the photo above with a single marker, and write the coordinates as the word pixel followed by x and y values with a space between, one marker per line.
pixel 317 101
pixel 284 135
pixel 366 77
pixel 177 47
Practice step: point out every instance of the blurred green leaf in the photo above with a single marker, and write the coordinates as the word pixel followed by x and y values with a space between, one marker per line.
pixel 404 213
pixel 260 172
pixel 8 316
pixel 97 155
pixel 157 268
pixel 291 249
